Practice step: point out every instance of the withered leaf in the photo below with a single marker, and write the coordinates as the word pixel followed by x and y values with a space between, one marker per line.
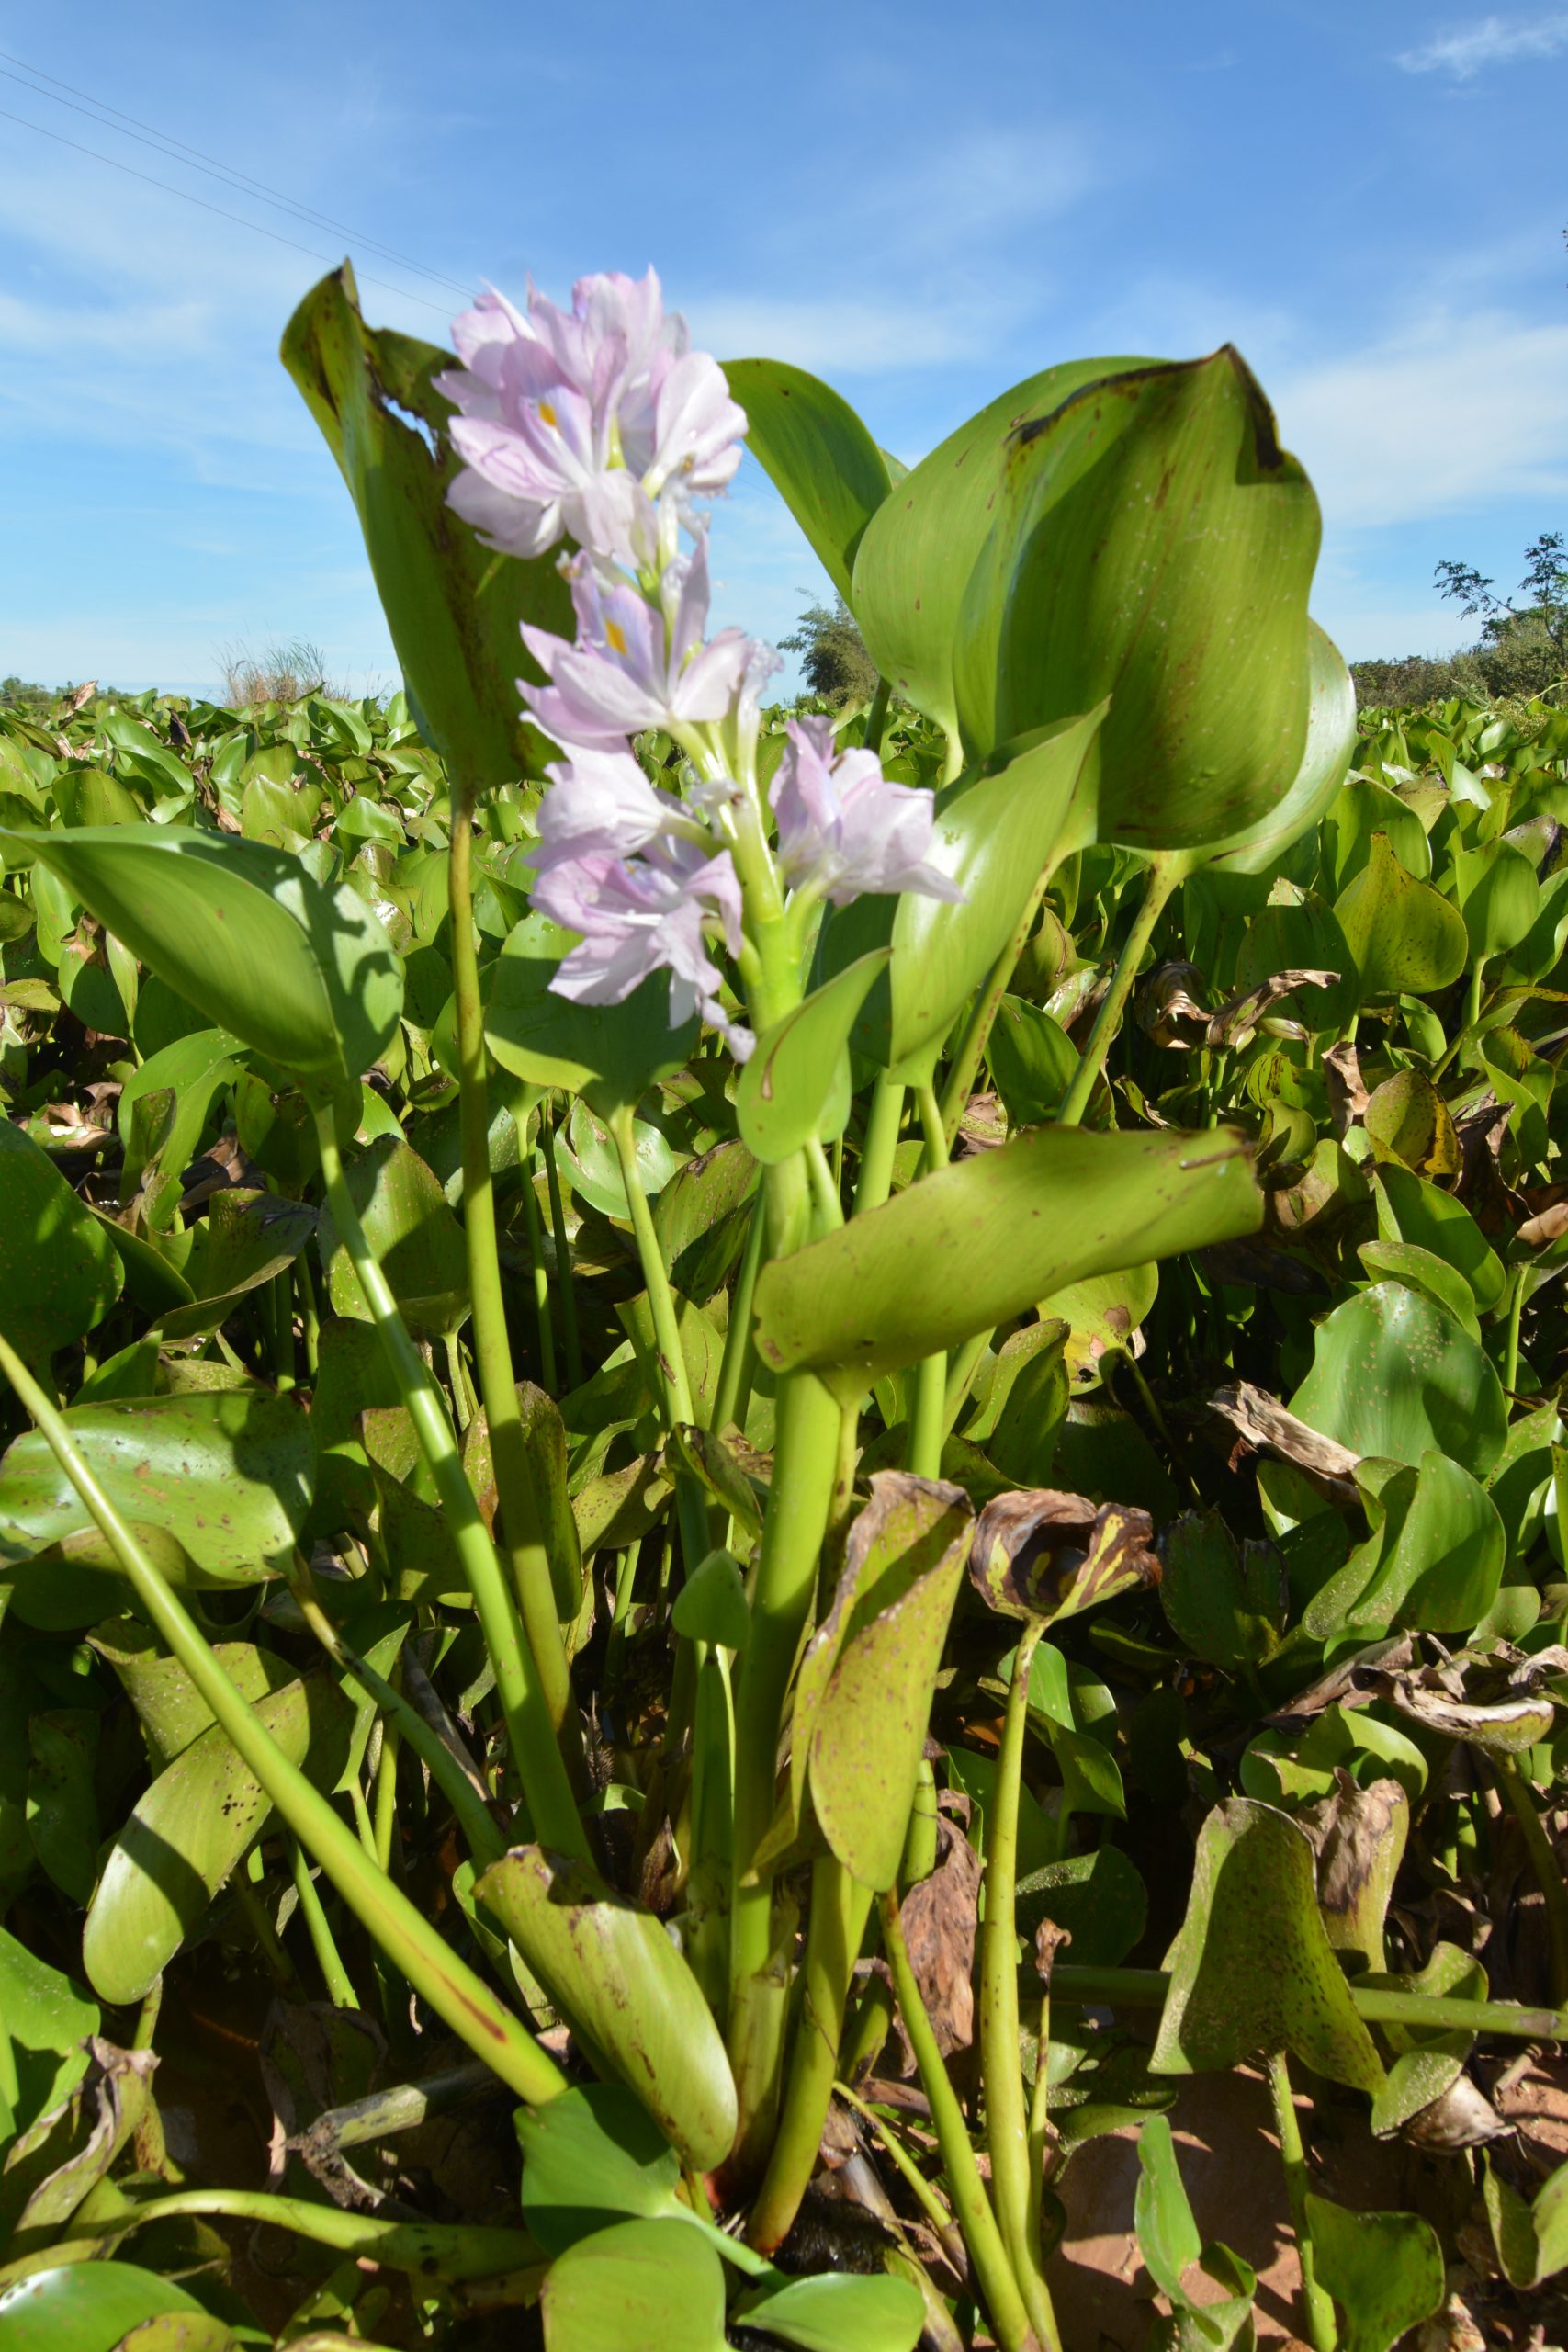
pixel 1265 1424
pixel 939 1918
pixel 1042 1554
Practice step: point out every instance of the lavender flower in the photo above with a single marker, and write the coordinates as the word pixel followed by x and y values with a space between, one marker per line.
pixel 644 915
pixel 636 663
pixel 601 804
pixel 843 828
pixel 574 422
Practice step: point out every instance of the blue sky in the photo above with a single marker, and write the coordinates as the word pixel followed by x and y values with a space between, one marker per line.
pixel 922 202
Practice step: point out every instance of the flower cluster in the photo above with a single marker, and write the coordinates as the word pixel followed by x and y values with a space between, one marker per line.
pixel 601 425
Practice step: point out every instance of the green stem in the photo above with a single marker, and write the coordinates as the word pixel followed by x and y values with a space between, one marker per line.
pixel 879 1151
pixel 441 2250
pixel 536 1578
pixel 1146 1988
pixel 963 1363
pixel 729 1405
pixel 1316 2301
pixel 839 1908
pixel 1040 2118
pixel 924 2195
pixel 538 1275
pixel 983 1013
pixel 329 1960
pixel 674 1385
pixel 282 1288
pixel 876 717
pixel 386 1796
pixel 1546 1868
pixel 1516 1313
pixel 1009 2316
pixel 463 2001
pixel 1007 2126
pixel 928 1425
pixel 564 1278
pixel 536 1755
pixel 1167 868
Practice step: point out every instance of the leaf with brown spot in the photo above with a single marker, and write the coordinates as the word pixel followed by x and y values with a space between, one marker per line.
pixel 1044 1555
pixel 939 1918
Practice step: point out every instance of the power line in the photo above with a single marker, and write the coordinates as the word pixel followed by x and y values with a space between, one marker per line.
pixel 169 189
pixel 98 111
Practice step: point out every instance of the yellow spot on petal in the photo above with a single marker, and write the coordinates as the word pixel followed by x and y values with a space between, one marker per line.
pixel 548 415
pixel 616 636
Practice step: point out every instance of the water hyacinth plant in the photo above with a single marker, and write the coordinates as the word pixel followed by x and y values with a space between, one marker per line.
pixel 806 1407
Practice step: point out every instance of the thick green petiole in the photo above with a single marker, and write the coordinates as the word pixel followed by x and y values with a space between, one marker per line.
pixel 462 2000
pixel 839 1909
pixel 1316 2302
pixel 537 1580
pixel 536 1755
pixel 1167 869
pixel 1007 2122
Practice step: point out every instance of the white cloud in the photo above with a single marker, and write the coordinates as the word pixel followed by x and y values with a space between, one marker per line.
pixel 844 336
pixel 1451 413
pixel 1493 41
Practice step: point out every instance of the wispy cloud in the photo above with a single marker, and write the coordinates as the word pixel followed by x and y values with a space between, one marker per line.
pixel 1447 414
pixel 1493 41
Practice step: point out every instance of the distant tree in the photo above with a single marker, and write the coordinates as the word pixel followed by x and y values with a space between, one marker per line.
pixel 832 654
pixel 1415 679
pixel 22 694
pixel 1524 645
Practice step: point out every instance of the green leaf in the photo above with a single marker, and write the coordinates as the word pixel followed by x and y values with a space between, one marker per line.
pixel 1405 938
pixel 1433 1561
pixel 58 1271
pixel 170 1708
pixel 1410 1209
pixel 711 1606
pixel 1167 2235
pixel 834 2310
pixel 63 1811
pixel 411 1229
pixel 86 2307
pixel 1330 741
pixel 903 1564
pixel 976 1244
pixel 452 604
pixel 227 1477
pixel 613 1970
pixel 1154 544
pixel 818 454
pixel 1393 1375
pixel 914 562
pixel 1407 1120
pixel 1531 2240
pixel 1497 894
pixel 612 1053
pixel 1384 2270
pixel 1423 1270
pixel 639 2282
pixel 1252 1968
pixel 46 2018
pixel 591 2152
pixel 1426 2063
pixel 1227 1602
pixel 1098 1897
pixel 196 1068
pixel 995 832
pixel 212 916
pixel 798 1065
pixel 1033 1060
pixel 187 1834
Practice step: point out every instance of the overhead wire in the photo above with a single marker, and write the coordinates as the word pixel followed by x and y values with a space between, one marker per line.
pixel 441 311
pixel 178 150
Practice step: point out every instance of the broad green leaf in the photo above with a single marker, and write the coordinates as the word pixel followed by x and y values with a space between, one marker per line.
pixel 1167 2235
pixel 1301 937
pixel 1384 2270
pixel 1355 817
pixel 919 548
pixel 58 1271
pixel 1098 1897
pixel 612 1053
pixel 976 1244
pixel 1405 938
pixel 245 1239
pixel 1252 1968
pixel 1426 2062
pixel 1225 1602
pixel 702 1214
pixel 1393 1375
pixel 63 1811
pixel 1330 741
pixel 836 2309
pixel 786 1084
pixel 591 2152
pixel 995 832
pixel 170 1708
pixel 591 1165
pixel 711 1606
pixel 305 975
pixel 1433 1561
pixel 818 454
pixel 452 606
pixel 1409 1209
pixel 1407 1120
pixel 411 1229
pixel 1154 544
pixel 196 1068
pixel 46 2018
pixel 637 2283
pixel 227 1477
pixel 1033 1060
pixel 188 1832
pixel 86 2307
pixel 1498 896
pixel 1403 1262
pixel 902 1571
pixel 613 1970
pixel 88 796
pixel 1531 2240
